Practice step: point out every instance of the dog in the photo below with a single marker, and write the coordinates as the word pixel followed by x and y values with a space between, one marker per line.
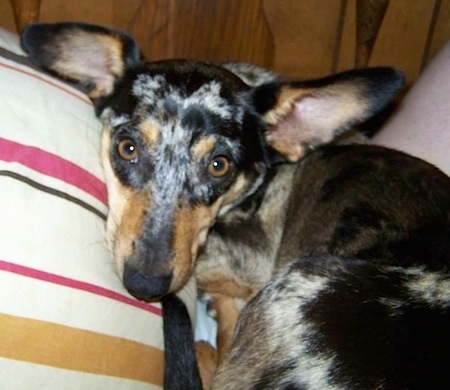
pixel 337 251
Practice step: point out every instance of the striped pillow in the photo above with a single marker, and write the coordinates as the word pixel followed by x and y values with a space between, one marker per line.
pixel 65 319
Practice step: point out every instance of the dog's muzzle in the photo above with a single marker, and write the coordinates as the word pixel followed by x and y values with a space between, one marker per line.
pixel 145 287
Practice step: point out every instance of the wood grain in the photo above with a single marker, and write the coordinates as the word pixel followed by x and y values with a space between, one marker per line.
pixel 441 31
pixel 347 47
pixel 369 16
pixel 100 11
pixel 6 16
pixel 25 12
pixel 298 38
pixel 402 36
pixel 221 30
pixel 304 33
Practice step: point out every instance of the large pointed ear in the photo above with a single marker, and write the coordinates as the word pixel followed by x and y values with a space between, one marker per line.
pixel 303 115
pixel 91 55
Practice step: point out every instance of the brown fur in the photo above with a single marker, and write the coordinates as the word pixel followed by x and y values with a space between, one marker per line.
pixel 150 132
pixel 207 358
pixel 190 230
pixel 203 147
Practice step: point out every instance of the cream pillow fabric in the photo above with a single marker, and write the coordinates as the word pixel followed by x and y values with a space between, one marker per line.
pixel 65 319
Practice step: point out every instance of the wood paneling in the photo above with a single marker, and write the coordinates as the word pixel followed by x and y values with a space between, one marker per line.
pixel 6 16
pixel 25 11
pixel 346 56
pixel 441 32
pixel 296 53
pixel 369 17
pixel 222 30
pixel 403 35
pixel 300 38
pixel 98 11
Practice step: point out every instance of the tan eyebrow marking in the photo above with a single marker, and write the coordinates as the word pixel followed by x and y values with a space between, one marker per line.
pixel 203 148
pixel 150 132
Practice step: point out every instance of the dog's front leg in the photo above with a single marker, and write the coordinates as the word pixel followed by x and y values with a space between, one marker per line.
pixel 207 357
pixel 226 313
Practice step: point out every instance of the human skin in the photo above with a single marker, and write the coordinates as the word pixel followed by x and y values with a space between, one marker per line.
pixel 421 124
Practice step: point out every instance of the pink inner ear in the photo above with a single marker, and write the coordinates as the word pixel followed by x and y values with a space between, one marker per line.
pixel 93 58
pixel 289 128
pixel 88 67
pixel 312 120
pixel 88 61
pixel 298 127
pixel 307 120
pixel 287 136
pixel 318 118
pixel 317 115
pixel 311 107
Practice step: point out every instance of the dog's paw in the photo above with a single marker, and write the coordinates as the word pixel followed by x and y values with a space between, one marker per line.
pixel 208 300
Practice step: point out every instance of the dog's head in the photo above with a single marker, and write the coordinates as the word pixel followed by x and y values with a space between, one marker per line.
pixel 184 141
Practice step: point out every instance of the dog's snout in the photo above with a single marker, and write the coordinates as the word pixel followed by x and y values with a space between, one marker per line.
pixel 144 286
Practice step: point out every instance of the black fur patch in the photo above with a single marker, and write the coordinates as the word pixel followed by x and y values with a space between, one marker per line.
pixel 378 331
pixel 273 373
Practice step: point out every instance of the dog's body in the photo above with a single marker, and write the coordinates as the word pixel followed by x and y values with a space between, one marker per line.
pixel 342 250
pixel 359 292
pixel 357 288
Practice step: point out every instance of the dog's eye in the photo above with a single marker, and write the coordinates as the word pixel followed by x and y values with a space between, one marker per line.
pixel 219 166
pixel 127 150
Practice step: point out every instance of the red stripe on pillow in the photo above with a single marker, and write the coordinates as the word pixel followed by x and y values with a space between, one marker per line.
pixel 47 81
pixel 52 165
pixel 76 284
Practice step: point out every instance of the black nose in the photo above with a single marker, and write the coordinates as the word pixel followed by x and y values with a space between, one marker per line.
pixel 143 286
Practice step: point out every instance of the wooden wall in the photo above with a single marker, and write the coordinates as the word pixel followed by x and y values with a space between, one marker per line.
pixel 294 37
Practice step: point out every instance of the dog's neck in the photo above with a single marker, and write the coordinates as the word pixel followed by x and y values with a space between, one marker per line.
pixel 248 236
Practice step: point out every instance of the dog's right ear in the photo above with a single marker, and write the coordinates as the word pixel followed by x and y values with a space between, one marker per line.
pixel 91 55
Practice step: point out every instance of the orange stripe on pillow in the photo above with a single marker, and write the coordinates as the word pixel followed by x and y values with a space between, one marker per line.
pixel 79 350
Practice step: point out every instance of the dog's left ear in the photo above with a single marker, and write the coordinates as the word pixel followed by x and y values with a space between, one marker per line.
pixel 303 115
pixel 91 55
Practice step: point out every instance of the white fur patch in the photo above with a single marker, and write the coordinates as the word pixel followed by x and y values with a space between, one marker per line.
pixel 313 368
pixel 431 287
pixel 393 304
pixel 115 120
pixel 148 88
pixel 208 96
pixel 154 90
